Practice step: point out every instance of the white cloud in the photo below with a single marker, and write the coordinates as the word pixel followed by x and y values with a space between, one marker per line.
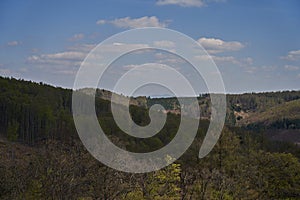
pixel 23 69
pixel 262 69
pixel 248 61
pixel 291 67
pixel 213 45
pixel 5 71
pixel 34 50
pixel 82 47
pixel 186 3
pixel 164 44
pixel 168 59
pixel 183 3
pixel 292 56
pixel 146 66
pixel 251 70
pixel 225 59
pixel 63 58
pixel 143 70
pixel 220 59
pixel 101 21
pixel 77 37
pixel 75 54
pixel 117 47
pixel 13 43
pixel 68 55
pixel 65 71
pixel 128 22
pixel 65 63
pixel 203 57
pixel 9 72
pixel 268 68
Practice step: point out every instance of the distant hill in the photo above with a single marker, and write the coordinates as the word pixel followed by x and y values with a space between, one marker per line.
pixel 31 111
pixel 279 116
pixel 239 106
pixel 34 112
pixel 275 114
pixel 106 95
pixel 41 156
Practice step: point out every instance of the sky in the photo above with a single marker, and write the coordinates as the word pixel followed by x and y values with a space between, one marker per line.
pixel 255 44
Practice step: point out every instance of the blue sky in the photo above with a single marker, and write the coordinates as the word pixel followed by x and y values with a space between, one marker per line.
pixel 255 44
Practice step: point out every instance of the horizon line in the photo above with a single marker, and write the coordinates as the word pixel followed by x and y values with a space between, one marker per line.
pixel 153 97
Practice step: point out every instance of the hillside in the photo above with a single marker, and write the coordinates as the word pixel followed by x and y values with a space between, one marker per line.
pixel 240 106
pixel 33 112
pixel 279 123
pixel 41 156
pixel 285 115
pixel 106 95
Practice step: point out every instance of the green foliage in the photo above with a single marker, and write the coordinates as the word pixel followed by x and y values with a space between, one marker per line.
pixel 31 111
pixel 279 175
pixel 242 165
pixel 12 131
pixel 283 116
pixel 260 102
pixel 165 183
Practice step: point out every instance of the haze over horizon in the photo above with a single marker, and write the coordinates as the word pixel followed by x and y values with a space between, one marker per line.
pixel 255 45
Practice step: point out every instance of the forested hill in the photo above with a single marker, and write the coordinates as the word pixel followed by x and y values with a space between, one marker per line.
pixel 35 111
pixel 275 114
pixel 239 106
pixel 55 165
pixel 284 115
pixel 31 111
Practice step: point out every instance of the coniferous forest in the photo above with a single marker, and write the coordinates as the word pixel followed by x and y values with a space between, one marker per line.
pixel 42 157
